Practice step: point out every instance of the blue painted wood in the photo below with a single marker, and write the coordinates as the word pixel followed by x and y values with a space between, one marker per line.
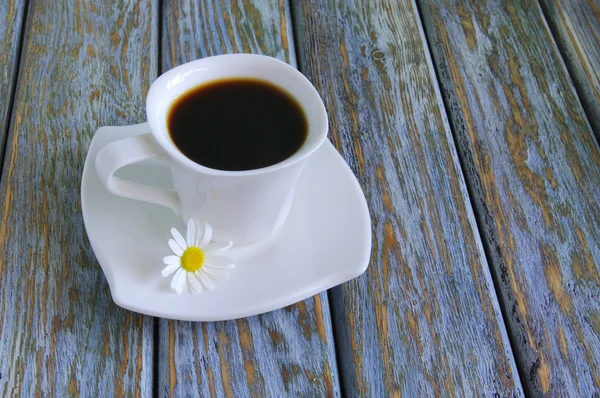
pixel 288 352
pixel 84 65
pixel 13 13
pixel 575 26
pixel 534 171
pixel 424 319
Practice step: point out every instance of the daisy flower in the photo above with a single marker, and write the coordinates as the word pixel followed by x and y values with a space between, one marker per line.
pixel 196 261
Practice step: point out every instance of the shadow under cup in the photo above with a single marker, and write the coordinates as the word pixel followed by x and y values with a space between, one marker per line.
pixel 241 206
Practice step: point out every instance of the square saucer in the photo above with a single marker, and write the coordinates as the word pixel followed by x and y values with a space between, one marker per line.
pixel 325 241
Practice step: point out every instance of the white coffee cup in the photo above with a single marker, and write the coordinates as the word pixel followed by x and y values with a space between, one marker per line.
pixel 241 206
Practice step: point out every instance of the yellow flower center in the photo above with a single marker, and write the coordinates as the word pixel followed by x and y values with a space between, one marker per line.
pixel 192 259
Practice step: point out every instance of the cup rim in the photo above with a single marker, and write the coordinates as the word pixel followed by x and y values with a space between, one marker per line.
pixel 317 133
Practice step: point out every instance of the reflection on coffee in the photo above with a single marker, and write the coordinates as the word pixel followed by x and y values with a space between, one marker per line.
pixel 237 124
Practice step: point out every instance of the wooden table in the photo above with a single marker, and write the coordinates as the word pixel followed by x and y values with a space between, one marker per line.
pixel 470 125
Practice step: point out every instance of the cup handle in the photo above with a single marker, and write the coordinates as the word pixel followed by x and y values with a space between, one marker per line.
pixel 117 154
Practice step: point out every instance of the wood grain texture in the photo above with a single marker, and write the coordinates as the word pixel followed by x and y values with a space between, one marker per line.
pixel 575 25
pixel 424 318
pixel 534 169
pixel 13 13
pixel 287 352
pixel 84 65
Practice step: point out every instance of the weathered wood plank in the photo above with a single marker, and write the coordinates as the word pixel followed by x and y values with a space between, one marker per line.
pixel 84 65
pixel 424 319
pixel 576 28
pixel 13 12
pixel 534 170
pixel 288 352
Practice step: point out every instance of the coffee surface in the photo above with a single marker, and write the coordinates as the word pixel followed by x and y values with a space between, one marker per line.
pixel 237 124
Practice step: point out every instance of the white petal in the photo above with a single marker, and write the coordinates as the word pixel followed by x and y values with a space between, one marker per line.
pixel 194 284
pixel 217 248
pixel 205 281
pixel 172 260
pixel 216 274
pixel 181 282
pixel 219 262
pixel 169 269
pixel 199 233
pixel 178 238
pixel 175 248
pixel 191 232
pixel 207 234
pixel 186 283
pixel 177 275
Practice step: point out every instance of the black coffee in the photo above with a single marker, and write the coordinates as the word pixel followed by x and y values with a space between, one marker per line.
pixel 237 124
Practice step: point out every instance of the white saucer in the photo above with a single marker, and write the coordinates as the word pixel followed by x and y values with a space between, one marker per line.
pixel 325 241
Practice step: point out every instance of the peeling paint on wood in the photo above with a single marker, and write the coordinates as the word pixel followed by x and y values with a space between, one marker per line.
pixel 576 28
pixel 424 319
pixel 13 12
pixel 84 65
pixel 534 171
